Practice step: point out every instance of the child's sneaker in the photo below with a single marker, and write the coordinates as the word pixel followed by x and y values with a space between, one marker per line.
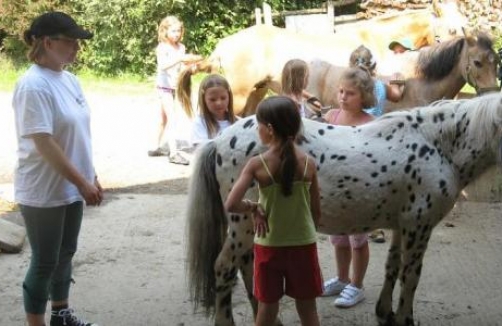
pixel 65 317
pixel 349 297
pixel 333 287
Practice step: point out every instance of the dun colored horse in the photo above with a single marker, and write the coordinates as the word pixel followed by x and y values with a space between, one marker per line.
pixel 442 70
pixel 403 171
pixel 255 56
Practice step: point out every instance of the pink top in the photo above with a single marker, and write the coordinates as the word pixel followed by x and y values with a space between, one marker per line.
pixel 332 116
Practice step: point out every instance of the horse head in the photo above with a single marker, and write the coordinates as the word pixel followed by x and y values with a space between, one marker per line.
pixel 469 59
pixel 480 67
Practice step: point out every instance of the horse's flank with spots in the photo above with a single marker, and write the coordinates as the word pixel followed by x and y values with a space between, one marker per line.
pixel 403 171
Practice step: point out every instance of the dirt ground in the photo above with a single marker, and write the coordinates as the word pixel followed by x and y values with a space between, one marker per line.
pixel 130 270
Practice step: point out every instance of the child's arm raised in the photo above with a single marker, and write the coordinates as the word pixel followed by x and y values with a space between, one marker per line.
pixel 236 204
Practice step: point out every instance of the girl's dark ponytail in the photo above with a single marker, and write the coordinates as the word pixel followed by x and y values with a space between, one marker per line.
pixel 288 166
pixel 282 114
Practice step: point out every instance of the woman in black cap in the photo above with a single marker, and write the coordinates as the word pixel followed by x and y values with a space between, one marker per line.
pixel 54 174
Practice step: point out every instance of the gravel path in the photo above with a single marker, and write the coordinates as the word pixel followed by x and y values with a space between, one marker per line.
pixel 130 265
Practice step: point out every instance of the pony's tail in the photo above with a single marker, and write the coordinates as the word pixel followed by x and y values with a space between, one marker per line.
pixel 206 227
pixel 184 87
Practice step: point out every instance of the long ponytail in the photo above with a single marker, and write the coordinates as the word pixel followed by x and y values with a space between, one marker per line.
pixel 288 166
pixel 282 114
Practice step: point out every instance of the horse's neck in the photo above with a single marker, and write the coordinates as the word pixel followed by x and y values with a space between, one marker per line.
pixel 425 91
pixel 456 145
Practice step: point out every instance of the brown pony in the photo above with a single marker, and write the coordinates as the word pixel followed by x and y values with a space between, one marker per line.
pixel 252 59
pixel 442 70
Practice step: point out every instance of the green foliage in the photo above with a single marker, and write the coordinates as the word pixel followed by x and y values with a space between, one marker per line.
pixel 15 18
pixel 124 34
pixel 10 73
pixel 126 30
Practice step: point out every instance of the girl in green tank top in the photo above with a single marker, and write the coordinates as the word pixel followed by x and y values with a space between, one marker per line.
pixel 286 216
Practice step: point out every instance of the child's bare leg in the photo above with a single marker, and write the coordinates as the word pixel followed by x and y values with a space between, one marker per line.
pixel 343 257
pixel 307 311
pixel 360 260
pixel 267 313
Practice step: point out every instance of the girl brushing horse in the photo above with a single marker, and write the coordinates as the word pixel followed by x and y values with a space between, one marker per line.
pixel 443 69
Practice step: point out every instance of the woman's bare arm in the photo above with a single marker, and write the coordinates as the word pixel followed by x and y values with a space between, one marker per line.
pixel 53 154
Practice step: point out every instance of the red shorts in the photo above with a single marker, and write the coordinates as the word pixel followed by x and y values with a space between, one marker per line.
pixel 293 271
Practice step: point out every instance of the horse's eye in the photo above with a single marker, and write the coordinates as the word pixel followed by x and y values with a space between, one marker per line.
pixel 477 63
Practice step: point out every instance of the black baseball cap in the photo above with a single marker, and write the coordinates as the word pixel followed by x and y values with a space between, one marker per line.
pixel 57 23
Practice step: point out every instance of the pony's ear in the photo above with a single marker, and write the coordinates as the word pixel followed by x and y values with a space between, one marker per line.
pixel 469 37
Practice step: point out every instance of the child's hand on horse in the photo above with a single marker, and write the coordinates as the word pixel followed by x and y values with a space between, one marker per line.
pixel 191 58
pixel 260 222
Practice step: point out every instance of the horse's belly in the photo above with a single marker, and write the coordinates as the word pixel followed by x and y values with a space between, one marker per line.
pixel 357 219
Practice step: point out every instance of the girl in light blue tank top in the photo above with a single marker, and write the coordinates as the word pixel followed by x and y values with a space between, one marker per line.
pixel 380 96
pixel 363 58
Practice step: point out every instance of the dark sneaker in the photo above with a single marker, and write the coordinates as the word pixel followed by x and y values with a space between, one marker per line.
pixel 377 236
pixel 65 317
pixel 158 152
pixel 178 159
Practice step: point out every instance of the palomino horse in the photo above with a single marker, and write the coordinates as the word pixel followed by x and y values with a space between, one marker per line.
pixel 442 70
pixel 403 171
pixel 255 56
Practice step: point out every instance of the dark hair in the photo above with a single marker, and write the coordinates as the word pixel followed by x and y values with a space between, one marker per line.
pixel 215 80
pixel 282 114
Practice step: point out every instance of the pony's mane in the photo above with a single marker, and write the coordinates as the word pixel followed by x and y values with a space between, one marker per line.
pixel 437 62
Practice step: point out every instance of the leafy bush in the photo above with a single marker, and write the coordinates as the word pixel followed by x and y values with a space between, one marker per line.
pixel 15 18
pixel 126 30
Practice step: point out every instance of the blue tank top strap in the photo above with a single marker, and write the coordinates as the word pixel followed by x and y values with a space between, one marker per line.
pixel 266 168
pixel 380 97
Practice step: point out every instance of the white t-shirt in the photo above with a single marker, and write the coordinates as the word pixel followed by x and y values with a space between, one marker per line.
pixel 47 101
pixel 200 134
pixel 166 55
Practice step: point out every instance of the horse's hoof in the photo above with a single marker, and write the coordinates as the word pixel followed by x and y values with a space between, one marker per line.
pixel 387 321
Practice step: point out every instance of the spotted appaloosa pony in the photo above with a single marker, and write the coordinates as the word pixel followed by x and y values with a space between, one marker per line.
pixel 403 171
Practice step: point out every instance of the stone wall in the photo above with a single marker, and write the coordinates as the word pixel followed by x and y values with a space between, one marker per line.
pixel 482 14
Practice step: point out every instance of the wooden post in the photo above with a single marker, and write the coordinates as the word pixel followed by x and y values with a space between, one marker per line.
pixel 331 15
pixel 257 16
pixel 267 14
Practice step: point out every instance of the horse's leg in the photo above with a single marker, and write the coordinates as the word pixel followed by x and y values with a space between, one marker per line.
pixel 414 245
pixel 234 256
pixel 384 311
pixel 246 242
